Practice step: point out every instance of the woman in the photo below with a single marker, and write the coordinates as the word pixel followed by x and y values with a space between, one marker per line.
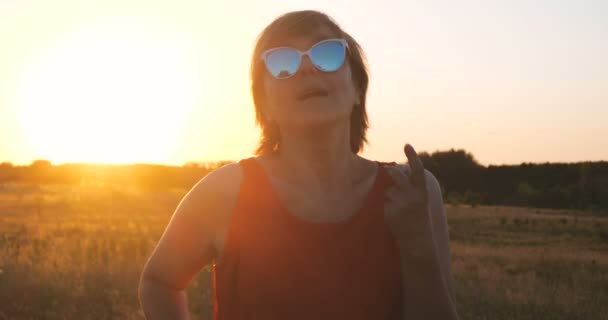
pixel 308 229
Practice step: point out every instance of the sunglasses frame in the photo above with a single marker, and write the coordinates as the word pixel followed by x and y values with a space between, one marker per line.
pixel 266 53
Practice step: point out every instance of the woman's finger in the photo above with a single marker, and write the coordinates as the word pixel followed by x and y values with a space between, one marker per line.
pixel 417 176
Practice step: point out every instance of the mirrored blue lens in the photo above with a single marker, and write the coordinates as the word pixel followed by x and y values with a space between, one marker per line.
pixel 283 63
pixel 328 56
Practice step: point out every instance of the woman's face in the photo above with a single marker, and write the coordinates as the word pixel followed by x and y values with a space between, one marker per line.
pixel 288 102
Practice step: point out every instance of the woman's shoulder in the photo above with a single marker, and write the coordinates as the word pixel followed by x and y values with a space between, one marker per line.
pixel 215 194
pixel 223 176
pixel 223 181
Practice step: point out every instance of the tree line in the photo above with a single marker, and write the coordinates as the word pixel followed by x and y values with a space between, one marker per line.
pixel 140 175
pixel 581 185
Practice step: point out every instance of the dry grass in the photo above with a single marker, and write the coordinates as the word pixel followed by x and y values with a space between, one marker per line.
pixel 76 253
pixel 512 263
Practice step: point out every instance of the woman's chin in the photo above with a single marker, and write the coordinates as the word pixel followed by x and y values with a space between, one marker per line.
pixel 310 122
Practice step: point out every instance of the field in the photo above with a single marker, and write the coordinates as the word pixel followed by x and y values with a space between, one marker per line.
pixel 77 252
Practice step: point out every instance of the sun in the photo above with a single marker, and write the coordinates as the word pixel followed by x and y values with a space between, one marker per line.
pixel 107 97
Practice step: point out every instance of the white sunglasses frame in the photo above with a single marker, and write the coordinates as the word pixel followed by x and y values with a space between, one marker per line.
pixel 266 53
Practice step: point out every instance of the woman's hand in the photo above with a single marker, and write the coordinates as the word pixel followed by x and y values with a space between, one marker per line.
pixel 406 207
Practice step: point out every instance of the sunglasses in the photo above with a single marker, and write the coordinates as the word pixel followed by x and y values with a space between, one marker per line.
pixel 327 56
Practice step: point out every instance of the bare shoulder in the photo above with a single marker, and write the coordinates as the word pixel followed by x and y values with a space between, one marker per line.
pixel 218 190
pixel 222 180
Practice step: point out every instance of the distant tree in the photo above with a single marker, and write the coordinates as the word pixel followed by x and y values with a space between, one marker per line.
pixel 217 164
pixel 584 186
pixel 526 194
pixel 7 172
pixel 456 170
pixel 6 164
pixel 472 198
pixel 192 164
pixel 39 171
pixel 41 164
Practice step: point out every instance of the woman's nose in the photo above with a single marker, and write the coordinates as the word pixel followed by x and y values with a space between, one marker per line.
pixel 307 67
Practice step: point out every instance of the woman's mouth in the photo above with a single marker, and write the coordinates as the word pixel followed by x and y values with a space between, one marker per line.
pixel 312 94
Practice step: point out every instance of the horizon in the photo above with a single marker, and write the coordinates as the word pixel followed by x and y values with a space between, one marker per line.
pixel 186 163
pixel 124 82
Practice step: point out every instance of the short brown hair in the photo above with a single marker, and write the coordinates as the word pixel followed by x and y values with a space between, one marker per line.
pixel 298 23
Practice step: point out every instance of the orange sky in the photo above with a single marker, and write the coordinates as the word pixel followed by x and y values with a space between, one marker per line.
pixel 135 81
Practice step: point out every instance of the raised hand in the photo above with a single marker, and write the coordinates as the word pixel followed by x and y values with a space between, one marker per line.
pixel 406 205
pixel 407 213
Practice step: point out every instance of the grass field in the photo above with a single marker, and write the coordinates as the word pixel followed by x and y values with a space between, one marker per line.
pixel 76 253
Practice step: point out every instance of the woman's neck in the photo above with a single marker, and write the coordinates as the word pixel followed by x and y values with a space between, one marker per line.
pixel 323 158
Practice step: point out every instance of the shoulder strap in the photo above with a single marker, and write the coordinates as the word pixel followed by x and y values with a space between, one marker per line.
pixel 385 178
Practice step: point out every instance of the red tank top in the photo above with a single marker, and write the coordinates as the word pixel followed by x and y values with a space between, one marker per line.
pixel 276 265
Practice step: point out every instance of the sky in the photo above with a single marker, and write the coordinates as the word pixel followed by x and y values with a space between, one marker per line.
pixel 167 82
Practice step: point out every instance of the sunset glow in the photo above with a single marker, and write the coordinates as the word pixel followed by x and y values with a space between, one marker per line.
pixel 168 82
pixel 108 97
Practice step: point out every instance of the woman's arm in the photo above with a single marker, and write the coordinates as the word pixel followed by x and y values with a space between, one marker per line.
pixel 411 210
pixel 187 245
pixel 441 236
pixel 426 271
pixel 159 301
